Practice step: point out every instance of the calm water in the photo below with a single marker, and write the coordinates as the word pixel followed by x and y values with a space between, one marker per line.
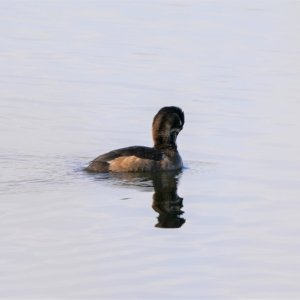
pixel 79 78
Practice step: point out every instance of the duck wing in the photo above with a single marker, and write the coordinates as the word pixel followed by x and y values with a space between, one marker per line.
pixel 137 151
pixel 121 159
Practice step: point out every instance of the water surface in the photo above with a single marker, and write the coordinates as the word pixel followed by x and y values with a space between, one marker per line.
pixel 81 78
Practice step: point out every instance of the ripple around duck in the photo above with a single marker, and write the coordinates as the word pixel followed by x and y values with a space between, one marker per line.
pixel 196 166
pixel 137 181
pixel 21 173
pixel 37 172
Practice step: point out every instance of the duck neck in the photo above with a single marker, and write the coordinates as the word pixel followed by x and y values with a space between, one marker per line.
pixel 166 146
pixel 165 141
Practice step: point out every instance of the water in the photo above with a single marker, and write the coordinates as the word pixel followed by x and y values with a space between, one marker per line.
pixel 84 77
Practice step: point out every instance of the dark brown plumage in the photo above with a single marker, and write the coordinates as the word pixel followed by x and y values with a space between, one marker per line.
pixel 167 124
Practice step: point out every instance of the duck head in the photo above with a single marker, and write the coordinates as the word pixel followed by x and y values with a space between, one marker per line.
pixel 167 124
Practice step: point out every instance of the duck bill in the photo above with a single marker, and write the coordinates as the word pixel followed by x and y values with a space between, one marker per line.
pixel 173 137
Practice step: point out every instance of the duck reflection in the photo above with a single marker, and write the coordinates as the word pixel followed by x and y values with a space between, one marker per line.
pixel 166 201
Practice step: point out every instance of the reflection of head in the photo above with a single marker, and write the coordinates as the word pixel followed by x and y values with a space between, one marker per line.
pixel 166 201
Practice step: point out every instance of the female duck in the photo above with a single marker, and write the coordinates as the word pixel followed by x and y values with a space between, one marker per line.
pixel 163 156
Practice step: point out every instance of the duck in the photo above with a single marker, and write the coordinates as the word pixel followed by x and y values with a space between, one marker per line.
pixel 163 156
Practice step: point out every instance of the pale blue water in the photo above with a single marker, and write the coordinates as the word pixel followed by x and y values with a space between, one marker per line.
pixel 79 78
